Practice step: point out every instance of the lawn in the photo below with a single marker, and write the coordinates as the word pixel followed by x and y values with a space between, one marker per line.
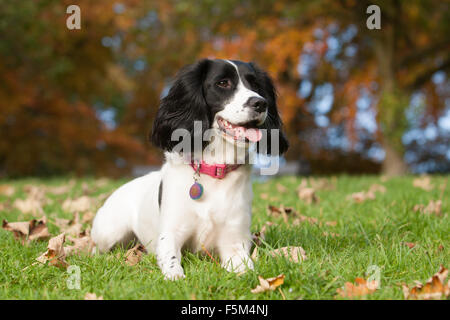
pixel 343 239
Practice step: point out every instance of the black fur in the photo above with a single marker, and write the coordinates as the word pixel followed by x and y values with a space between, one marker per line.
pixel 193 97
pixel 273 120
pixel 183 105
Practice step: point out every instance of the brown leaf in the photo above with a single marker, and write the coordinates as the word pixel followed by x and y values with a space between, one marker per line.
pixel 70 227
pixel 361 196
pixel 423 183
pixel 409 244
pixel 377 188
pixel 361 288
pixel 7 190
pixel 434 288
pixel 257 237
pixel 81 204
pixel 308 195
pixel 264 196
pixel 268 284
pixel 293 254
pixel 433 207
pixel 92 296
pixel 83 245
pixel 55 255
pixel 27 231
pixel 134 255
pixel 29 205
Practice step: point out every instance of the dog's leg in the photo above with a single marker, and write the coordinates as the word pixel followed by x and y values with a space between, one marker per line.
pixel 168 255
pixel 234 253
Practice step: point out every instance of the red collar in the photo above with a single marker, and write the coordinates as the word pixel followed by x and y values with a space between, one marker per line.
pixel 217 171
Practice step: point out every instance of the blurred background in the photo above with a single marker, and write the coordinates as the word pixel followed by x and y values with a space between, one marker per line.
pixel 353 100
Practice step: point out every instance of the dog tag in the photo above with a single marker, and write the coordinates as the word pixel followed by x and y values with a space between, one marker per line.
pixel 196 191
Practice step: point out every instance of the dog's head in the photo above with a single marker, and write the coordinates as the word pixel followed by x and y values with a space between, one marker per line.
pixel 236 99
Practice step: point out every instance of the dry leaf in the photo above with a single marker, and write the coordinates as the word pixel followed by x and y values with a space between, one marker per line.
pixel 433 207
pixel 92 296
pixel 361 196
pixel 83 245
pixel 293 254
pixel 259 236
pixel 377 188
pixel 29 205
pixel 134 255
pixel 81 204
pixel 55 255
pixel 361 288
pixel 268 284
pixel 264 196
pixel 27 231
pixel 423 183
pixel 434 288
pixel 308 195
pixel 7 190
pixel 409 244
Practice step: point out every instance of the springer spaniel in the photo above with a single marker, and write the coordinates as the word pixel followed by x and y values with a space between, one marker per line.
pixel 202 196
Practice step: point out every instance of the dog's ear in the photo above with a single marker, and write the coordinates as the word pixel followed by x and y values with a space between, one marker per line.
pixel 273 120
pixel 184 104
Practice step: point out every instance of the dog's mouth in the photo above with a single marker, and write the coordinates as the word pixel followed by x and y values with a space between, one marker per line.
pixel 242 131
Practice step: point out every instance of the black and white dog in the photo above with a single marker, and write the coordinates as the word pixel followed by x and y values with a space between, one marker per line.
pixel 205 204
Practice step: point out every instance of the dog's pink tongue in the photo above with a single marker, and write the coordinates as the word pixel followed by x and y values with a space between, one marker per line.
pixel 253 135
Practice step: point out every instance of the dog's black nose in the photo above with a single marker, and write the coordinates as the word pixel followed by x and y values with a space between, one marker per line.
pixel 258 104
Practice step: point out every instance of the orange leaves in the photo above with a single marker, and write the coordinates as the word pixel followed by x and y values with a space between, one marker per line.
pixel 361 288
pixel 28 230
pixel 269 284
pixel 434 288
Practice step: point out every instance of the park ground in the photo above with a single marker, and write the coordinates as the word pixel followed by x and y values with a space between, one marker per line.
pixel 395 234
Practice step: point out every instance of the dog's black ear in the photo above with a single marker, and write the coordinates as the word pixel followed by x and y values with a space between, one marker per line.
pixel 273 120
pixel 184 104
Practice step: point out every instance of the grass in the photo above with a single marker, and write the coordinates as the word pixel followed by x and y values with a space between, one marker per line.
pixel 369 233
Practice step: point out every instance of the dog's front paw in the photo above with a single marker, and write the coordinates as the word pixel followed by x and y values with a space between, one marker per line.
pixel 174 273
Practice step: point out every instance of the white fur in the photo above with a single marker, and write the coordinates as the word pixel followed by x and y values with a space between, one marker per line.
pixel 219 221
pixel 234 111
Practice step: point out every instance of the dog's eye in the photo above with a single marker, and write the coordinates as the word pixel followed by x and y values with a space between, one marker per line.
pixel 225 83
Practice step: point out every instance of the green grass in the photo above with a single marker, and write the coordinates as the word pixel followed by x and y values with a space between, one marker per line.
pixel 370 233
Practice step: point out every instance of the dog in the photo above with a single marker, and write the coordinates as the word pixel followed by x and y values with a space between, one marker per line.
pixel 205 204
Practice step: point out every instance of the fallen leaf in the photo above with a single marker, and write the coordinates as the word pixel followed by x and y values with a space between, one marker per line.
pixel 433 207
pixel 83 245
pixel 7 190
pixel 92 296
pixel 27 231
pixel 55 254
pixel 81 204
pixel 29 205
pixel 361 196
pixel 377 188
pixel 361 288
pixel 293 254
pixel 88 217
pixel 409 244
pixel 264 196
pixel 134 255
pixel 308 195
pixel 268 284
pixel 423 183
pixel 434 288
pixel 259 236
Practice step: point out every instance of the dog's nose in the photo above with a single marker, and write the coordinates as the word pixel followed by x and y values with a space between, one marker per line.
pixel 258 104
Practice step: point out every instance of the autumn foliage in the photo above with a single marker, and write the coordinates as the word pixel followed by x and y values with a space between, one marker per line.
pixel 57 86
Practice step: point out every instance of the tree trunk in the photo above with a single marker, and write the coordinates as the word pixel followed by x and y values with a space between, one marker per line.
pixel 393 164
